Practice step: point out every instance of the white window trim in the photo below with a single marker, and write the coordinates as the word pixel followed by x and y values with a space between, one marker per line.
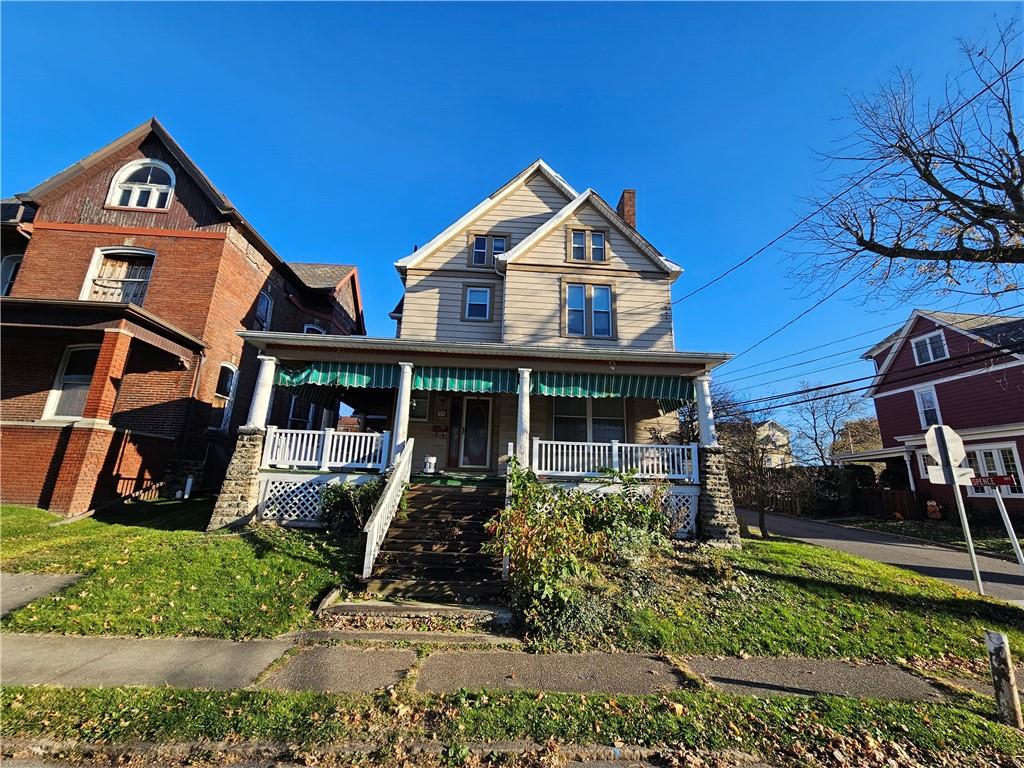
pixel 126 170
pixel 313 328
pixel 55 390
pixel 924 337
pixel 99 254
pixel 995 448
pixel 270 311
pixel 920 410
pixel 10 258
pixel 292 417
pixel 229 403
pixel 487 304
pixel 590 417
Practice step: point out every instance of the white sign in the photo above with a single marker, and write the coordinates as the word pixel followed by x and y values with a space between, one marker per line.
pixel 954 445
pixel 962 475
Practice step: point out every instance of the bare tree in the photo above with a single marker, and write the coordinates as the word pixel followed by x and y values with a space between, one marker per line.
pixel 929 196
pixel 858 435
pixel 819 422
pixel 723 403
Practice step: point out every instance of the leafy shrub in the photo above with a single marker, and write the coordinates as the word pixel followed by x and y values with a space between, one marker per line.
pixel 345 507
pixel 559 544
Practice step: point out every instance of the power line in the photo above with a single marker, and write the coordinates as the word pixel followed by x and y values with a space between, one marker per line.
pixel 822 206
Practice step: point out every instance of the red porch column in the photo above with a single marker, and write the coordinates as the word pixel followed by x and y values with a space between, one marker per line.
pixel 90 440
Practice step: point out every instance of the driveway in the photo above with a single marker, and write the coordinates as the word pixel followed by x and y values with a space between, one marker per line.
pixel 1003 579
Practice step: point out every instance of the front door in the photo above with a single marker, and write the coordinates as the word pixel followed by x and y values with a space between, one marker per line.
pixel 475 443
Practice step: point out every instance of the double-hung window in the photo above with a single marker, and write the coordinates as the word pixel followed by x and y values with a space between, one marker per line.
pixel 476 303
pixel 264 312
pixel 588 311
pixel 485 248
pixel 71 386
pixel 589 420
pixel 929 348
pixel 927 407
pixel 300 413
pixel 587 245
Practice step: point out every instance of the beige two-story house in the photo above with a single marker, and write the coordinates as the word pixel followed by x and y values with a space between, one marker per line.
pixel 536 326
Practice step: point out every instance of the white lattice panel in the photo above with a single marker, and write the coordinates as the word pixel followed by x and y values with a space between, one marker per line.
pixel 681 508
pixel 291 502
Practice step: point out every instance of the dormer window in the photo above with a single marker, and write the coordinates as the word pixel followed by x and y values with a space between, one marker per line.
pixel 142 184
pixel 929 348
pixel 483 249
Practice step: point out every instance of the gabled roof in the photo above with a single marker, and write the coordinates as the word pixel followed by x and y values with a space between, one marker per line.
pixel 1000 332
pixel 590 196
pixel 538 166
pixel 321 276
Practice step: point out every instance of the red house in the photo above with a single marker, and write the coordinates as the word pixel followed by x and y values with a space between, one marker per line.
pixel 962 370
pixel 125 281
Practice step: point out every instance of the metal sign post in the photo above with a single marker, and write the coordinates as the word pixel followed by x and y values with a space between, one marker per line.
pixel 993 482
pixel 946 447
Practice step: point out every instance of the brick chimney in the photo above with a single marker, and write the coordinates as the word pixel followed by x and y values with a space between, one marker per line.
pixel 627 207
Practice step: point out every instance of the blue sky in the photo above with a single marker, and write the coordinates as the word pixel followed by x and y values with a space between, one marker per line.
pixel 349 132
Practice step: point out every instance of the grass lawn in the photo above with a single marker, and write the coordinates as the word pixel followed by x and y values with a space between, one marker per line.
pixel 991 539
pixel 780 598
pixel 151 569
pixel 786 727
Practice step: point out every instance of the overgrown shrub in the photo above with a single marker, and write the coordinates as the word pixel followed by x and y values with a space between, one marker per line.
pixel 560 542
pixel 345 507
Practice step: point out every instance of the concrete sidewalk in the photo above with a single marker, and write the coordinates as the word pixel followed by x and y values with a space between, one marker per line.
pixel 222 664
pixel 1002 578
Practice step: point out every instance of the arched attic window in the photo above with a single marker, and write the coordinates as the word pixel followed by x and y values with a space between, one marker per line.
pixel 142 184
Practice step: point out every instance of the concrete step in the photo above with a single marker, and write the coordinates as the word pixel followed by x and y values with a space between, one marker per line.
pixel 423 588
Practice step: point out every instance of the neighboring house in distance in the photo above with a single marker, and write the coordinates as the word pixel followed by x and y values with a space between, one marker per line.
pixel 965 371
pixel 778 452
pixel 538 325
pixel 126 278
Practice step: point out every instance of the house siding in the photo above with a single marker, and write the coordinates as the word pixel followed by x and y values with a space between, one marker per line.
pixel 433 307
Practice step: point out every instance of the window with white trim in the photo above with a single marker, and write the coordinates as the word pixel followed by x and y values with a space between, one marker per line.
pixel 927 407
pixel 929 348
pixel 264 312
pixel 998 459
pixel 121 276
pixel 9 268
pixel 589 420
pixel 589 311
pixel 142 184
pixel 587 245
pixel 71 386
pixel 477 303
pixel 223 397
pixel 300 413
pixel 312 328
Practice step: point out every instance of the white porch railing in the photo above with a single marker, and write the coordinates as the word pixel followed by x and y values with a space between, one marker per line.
pixel 557 458
pixel 325 449
pixel 387 506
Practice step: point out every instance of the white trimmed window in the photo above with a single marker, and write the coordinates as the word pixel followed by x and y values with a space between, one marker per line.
pixel 8 272
pixel 587 245
pixel 224 396
pixel 477 303
pixel 313 328
pixel 300 413
pixel 71 385
pixel 142 184
pixel 119 275
pixel 589 420
pixel 927 407
pixel 929 348
pixel 589 311
pixel 1001 459
pixel 264 311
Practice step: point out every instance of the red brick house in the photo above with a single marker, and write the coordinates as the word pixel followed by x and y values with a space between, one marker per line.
pixel 126 278
pixel 965 371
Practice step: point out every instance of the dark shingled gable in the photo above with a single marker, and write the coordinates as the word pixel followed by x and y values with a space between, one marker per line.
pixel 321 276
pixel 998 329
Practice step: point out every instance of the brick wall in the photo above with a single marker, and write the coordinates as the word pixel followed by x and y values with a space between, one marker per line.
pixel 30 458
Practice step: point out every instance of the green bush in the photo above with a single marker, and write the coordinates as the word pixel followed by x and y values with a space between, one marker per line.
pixel 345 507
pixel 559 542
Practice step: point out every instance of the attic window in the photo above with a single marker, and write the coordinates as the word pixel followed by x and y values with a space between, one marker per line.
pixel 929 348
pixel 485 248
pixel 142 184
pixel 587 245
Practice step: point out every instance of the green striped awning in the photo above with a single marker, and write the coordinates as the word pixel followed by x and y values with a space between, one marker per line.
pixel 479 380
pixel 675 388
pixel 324 374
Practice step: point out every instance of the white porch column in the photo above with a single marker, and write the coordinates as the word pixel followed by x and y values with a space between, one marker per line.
pixel 705 413
pixel 910 470
pixel 523 419
pixel 401 429
pixel 260 405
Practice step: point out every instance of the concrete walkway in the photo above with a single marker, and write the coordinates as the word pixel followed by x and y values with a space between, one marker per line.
pixel 1002 578
pixel 60 660
pixel 18 589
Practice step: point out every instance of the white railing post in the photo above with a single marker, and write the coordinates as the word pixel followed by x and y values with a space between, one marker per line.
pixel 694 464
pixel 385 450
pixel 616 464
pixel 325 448
pixel 384 512
pixel 536 455
pixel 268 446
